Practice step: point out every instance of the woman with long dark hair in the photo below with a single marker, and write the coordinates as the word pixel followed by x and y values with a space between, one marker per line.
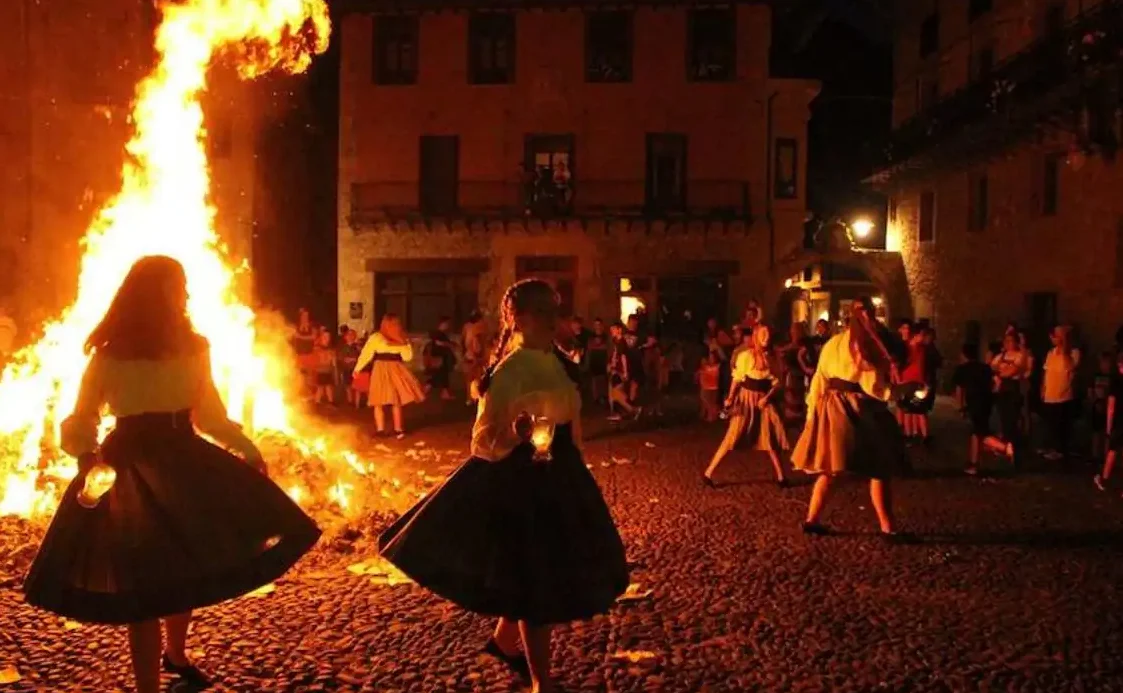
pixel 186 524
pixel 509 533
pixel 850 429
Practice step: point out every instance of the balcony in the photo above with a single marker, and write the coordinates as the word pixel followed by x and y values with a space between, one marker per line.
pixel 503 201
pixel 1049 85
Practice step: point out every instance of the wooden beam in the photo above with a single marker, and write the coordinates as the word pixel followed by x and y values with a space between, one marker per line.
pixel 438 265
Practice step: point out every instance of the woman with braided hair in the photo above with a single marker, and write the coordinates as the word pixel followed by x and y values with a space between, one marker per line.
pixel 849 426
pixel 509 534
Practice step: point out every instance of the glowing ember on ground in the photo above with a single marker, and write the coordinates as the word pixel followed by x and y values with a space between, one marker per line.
pixel 163 208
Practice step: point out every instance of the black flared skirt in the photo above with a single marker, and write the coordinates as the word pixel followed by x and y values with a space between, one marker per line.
pixel 514 538
pixel 186 525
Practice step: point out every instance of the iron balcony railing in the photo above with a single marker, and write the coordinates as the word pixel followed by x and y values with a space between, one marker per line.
pixel 709 199
pixel 1046 81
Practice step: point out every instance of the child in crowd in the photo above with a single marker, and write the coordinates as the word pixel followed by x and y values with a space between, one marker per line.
pixel 1098 392
pixel 324 360
pixel 1113 425
pixel 974 386
pixel 346 359
pixel 709 380
pixel 621 376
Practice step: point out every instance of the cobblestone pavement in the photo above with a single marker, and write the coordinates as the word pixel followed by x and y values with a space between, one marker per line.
pixel 1013 586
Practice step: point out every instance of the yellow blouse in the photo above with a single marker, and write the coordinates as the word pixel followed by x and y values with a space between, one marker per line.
pixel 837 361
pixel 377 344
pixel 748 364
pixel 130 387
pixel 528 380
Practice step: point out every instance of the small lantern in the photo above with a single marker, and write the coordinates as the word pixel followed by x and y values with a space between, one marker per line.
pixel 542 437
pixel 921 393
pixel 99 480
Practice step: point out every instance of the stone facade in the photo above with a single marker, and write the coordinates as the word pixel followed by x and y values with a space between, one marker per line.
pixel 730 128
pixel 1026 259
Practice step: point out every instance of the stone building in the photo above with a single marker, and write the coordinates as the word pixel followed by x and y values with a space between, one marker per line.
pixel 1004 185
pixel 633 153
pixel 68 74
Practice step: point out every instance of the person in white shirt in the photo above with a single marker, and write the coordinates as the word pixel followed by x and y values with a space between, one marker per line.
pixel 1057 397
pixel 850 429
pixel 383 360
pixel 520 530
pixel 752 399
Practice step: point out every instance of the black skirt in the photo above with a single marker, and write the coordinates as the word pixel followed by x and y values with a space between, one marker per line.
pixel 186 525
pixel 514 538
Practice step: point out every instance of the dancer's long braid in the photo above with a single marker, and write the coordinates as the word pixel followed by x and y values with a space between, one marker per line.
pixel 503 343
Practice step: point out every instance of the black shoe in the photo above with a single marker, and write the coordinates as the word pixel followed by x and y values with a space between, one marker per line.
pixel 814 529
pixel 516 663
pixel 708 482
pixel 188 673
pixel 783 483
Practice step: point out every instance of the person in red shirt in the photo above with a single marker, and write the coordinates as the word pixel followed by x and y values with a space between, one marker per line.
pixel 915 421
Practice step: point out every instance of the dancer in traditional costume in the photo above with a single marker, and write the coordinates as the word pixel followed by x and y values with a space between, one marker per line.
pixel 186 524
pixel 850 429
pixel 391 383
pixel 507 534
pixel 752 401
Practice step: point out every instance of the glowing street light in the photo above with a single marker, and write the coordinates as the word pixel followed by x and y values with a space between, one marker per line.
pixel 862 227
pixel 788 283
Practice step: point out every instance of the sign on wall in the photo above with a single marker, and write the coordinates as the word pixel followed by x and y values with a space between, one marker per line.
pixel 356 310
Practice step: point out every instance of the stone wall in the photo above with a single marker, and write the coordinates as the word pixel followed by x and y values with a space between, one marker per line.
pixel 604 252
pixel 985 276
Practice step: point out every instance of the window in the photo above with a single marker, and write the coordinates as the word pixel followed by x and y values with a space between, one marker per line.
pixel 395 49
pixel 930 35
pixel 711 45
pixel 439 175
pixel 1050 184
pixel 785 173
pixel 666 172
pixel 978 8
pixel 926 223
pixel 927 92
pixel 608 47
pixel 982 61
pixel 549 179
pixel 491 48
pixel 421 299
pixel 979 203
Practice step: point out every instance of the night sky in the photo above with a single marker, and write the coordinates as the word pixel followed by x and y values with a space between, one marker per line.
pixel 843 43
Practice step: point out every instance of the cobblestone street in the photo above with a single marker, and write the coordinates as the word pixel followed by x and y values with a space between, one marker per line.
pixel 1012 586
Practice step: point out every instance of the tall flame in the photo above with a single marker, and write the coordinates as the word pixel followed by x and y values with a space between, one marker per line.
pixel 162 208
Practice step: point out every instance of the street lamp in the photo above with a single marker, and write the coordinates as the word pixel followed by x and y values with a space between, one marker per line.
pixel 862 227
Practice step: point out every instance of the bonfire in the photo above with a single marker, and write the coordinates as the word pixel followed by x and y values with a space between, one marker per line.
pixel 163 207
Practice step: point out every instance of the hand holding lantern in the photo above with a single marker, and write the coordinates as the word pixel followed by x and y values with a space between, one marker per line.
pixel 538 431
pixel 99 479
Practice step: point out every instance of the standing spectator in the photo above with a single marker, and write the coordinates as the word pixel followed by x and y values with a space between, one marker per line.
pixel 793 356
pixel 752 316
pixel 303 343
pixel 933 362
pixel 325 359
pixel 1057 401
pixel 676 366
pixel 597 361
pixel 633 354
pixel 916 371
pixel 391 382
pixel 1010 367
pixel 1113 425
pixel 709 379
pixel 974 386
pixel 621 378
pixel 347 356
pixel 651 356
pixel 440 359
pixel 473 344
